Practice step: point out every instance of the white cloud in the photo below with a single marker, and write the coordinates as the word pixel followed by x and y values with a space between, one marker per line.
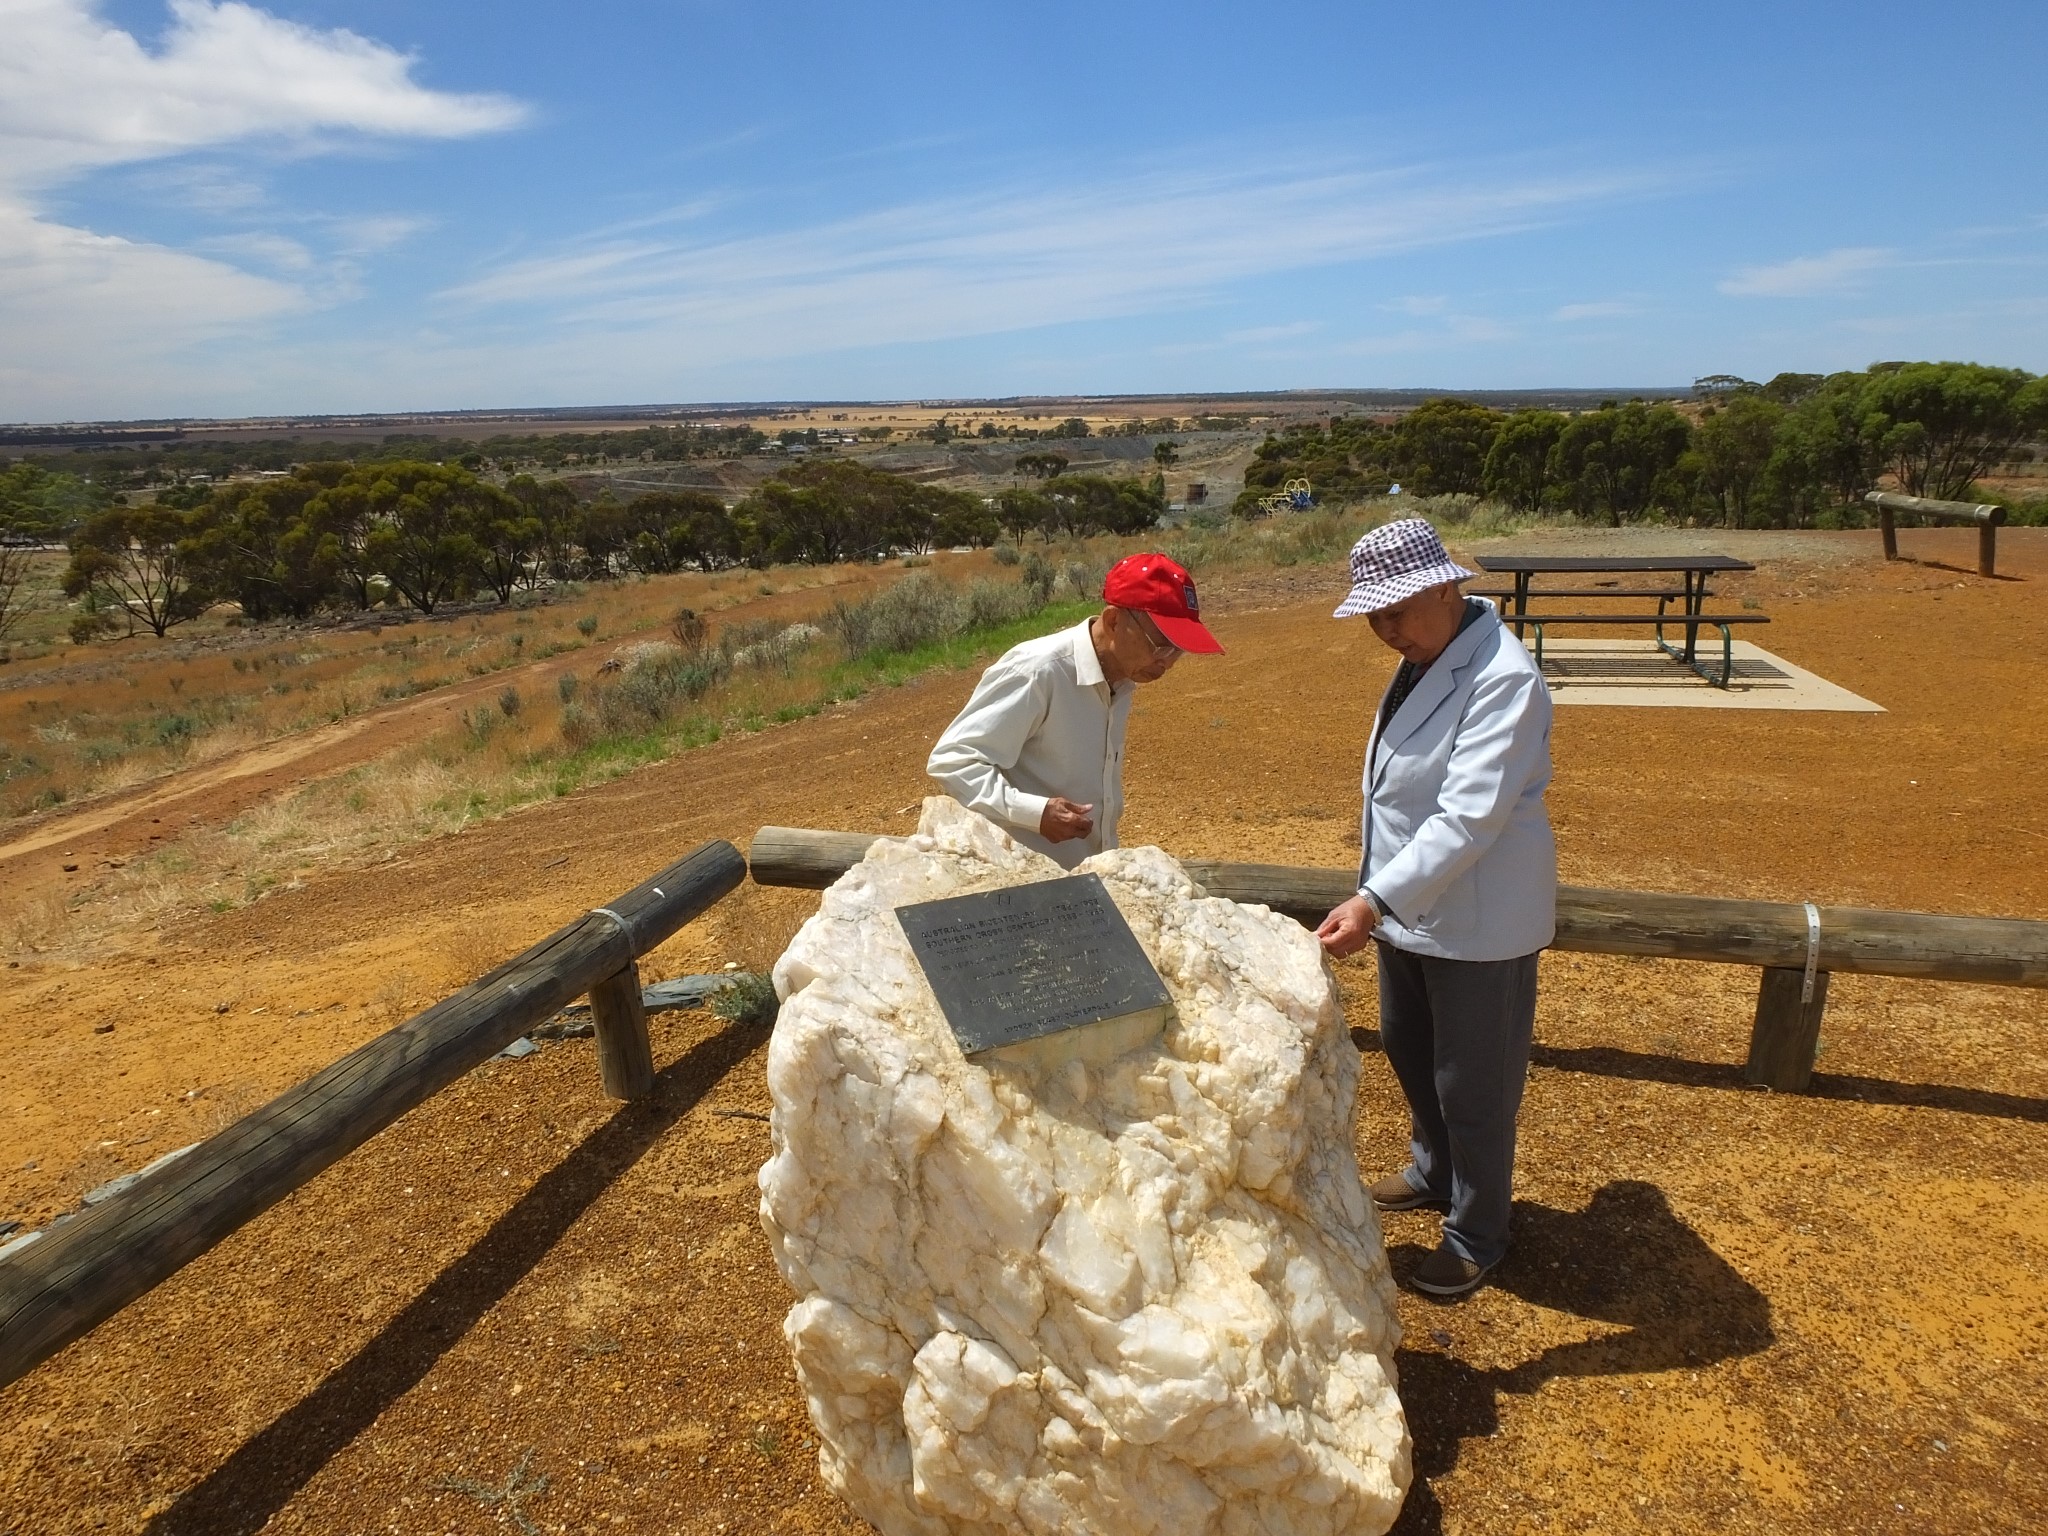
pixel 1805 277
pixel 78 94
pixel 75 305
pixel 1418 304
pixel 279 252
pixel 371 233
pixel 1006 261
pixel 1455 331
pixel 1286 332
pixel 1600 309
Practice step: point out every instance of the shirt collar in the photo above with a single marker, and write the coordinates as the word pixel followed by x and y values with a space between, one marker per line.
pixel 1087 665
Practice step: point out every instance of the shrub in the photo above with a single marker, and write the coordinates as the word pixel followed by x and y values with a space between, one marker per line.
pixel 508 703
pixel 1077 579
pixel 1005 554
pixel 565 687
pixel 992 603
pixel 587 625
pixel 916 611
pixel 743 635
pixel 763 643
pixel 653 684
pixel 90 626
pixel 748 998
pixel 922 609
pixel 690 630
pixel 643 696
pixel 1037 575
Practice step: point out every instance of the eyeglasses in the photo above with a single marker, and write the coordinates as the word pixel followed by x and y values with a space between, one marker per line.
pixel 1161 646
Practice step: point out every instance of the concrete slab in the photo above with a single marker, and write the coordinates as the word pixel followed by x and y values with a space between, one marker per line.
pixel 1635 672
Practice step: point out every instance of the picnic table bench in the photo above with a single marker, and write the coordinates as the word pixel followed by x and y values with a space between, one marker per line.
pixel 1691 594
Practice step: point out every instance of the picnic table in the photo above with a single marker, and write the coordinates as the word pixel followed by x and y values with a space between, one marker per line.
pixel 1691 595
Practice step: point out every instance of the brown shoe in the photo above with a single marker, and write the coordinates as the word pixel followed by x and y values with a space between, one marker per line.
pixel 1446 1273
pixel 1395 1193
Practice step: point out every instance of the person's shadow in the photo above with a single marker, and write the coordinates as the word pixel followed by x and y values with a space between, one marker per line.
pixel 1626 1259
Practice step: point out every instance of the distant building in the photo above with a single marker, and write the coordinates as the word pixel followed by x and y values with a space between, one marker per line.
pixel 1198 492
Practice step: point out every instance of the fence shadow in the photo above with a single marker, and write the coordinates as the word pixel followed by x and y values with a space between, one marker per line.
pixel 1960 570
pixel 1681 1072
pixel 239 1497
pixel 1626 1259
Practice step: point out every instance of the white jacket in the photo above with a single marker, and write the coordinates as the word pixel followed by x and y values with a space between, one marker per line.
pixel 1457 841
pixel 1043 721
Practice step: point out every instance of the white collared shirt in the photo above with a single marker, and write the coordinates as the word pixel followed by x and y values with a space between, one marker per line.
pixel 1043 721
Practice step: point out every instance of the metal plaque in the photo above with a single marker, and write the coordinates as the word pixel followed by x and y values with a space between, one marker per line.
pixel 1031 960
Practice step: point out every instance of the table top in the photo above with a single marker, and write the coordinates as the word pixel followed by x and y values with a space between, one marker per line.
pixel 1562 563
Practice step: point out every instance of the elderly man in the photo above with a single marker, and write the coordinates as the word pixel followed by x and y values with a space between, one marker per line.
pixel 1039 749
pixel 1458 884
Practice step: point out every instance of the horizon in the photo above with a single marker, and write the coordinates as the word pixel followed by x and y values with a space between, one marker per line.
pixel 217 211
pixel 630 410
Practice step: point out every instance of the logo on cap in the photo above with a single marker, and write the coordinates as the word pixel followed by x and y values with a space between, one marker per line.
pixel 1188 596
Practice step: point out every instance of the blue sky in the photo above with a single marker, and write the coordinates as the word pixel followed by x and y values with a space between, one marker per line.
pixel 365 205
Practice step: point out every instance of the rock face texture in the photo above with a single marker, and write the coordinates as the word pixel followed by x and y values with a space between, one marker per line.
pixel 1146 1295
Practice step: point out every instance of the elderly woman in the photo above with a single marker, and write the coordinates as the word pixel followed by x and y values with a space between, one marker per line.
pixel 1457 886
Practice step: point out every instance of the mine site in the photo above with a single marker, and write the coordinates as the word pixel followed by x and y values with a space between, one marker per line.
pixel 1134 771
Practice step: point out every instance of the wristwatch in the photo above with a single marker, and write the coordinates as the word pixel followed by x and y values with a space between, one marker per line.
pixel 1379 908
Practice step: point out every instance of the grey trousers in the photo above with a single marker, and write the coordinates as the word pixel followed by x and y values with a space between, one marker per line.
pixel 1456 1033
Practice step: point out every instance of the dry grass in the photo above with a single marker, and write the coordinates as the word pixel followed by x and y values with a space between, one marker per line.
pixel 76 721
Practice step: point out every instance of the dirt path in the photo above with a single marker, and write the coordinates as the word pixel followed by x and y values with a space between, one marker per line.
pixel 214 792
pixel 1727 1311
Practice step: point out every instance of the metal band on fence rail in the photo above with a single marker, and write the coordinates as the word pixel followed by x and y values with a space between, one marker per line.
pixel 1812 952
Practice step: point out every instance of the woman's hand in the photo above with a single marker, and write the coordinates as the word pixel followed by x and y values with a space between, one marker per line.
pixel 1348 928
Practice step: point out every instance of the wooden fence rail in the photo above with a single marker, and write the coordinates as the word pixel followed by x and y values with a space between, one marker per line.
pixel 81 1273
pixel 1985 516
pixel 1786 940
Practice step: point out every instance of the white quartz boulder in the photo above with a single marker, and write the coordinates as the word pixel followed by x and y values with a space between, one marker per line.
pixel 1141 1295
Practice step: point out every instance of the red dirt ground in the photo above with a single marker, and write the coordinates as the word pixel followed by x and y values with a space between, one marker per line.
pixel 1726 1311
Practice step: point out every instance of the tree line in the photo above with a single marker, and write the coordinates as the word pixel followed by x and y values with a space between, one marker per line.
pixel 1796 452
pixel 179 462
pixel 339 536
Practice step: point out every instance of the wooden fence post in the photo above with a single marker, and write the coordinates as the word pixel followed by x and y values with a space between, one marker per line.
pixel 625 1056
pixel 1786 1037
pixel 1985 515
pixel 83 1272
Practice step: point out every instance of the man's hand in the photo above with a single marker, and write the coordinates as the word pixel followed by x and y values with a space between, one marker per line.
pixel 1348 928
pixel 1062 820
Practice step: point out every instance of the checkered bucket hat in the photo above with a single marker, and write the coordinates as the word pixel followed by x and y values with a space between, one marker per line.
pixel 1395 562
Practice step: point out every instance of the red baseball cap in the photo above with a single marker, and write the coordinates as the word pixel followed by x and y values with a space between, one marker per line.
pixel 1163 589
